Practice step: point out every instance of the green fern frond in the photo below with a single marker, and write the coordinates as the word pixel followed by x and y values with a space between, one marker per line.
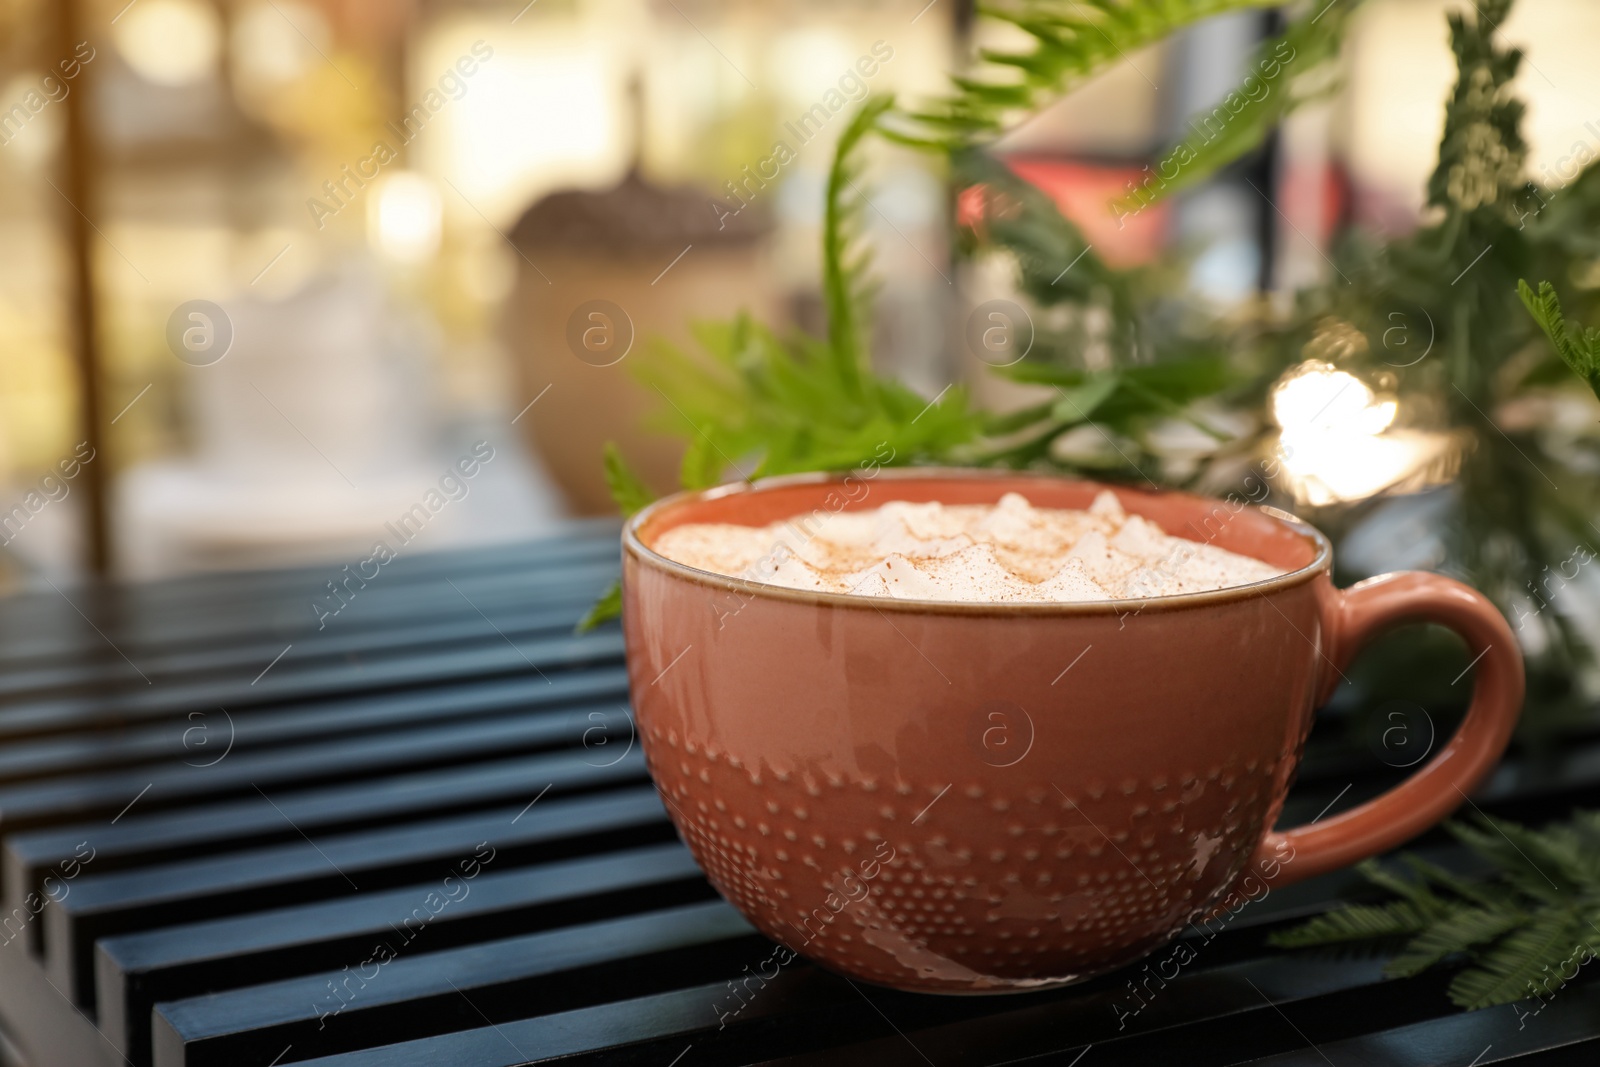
pixel 627 488
pixel 608 607
pixel 774 405
pixel 1585 827
pixel 1569 848
pixel 1455 932
pixel 1530 860
pixel 1417 891
pixel 631 495
pixel 1069 42
pixel 1524 930
pixel 1286 73
pixel 1578 347
pixel 846 262
pixel 1521 965
pixel 1079 403
pixel 1473 892
pixel 1356 922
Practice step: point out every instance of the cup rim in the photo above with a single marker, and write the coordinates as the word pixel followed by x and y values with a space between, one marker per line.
pixel 635 546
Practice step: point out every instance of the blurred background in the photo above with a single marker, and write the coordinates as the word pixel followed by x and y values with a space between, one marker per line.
pixel 273 268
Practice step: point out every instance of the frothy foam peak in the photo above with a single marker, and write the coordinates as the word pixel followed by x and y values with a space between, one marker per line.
pixel 1009 551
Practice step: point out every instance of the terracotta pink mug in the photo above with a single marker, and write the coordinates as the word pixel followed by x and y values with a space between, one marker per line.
pixel 971 797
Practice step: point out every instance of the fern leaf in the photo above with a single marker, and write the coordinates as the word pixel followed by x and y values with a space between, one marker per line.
pixel 1485 894
pixel 844 265
pixel 1525 930
pixel 1276 84
pixel 1046 374
pixel 1586 832
pixel 781 405
pixel 1417 892
pixel 629 492
pixel 1455 933
pixel 1521 964
pixel 703 465
pixel 1077 405
pixel 1563 847
pixel 1517 852
pixel 608 607
pixel 1069 42
pixel 1355 922
pixel 1579 349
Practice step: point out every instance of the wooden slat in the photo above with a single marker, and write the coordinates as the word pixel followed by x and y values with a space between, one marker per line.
pixel 41 627
pixel 549 655
pixel 39 617
pixel 134 971
pixel 804 1002
pixel 227 625
pixel 78 796
pixel 411 995
pixel 260 820
pixel 1563 1034
pixel 178 832
pixel 1205 1017
pixel 203 738
pixel 334 866
pixel 504 615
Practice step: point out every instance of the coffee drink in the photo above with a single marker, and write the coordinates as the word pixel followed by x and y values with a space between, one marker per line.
pixel 1008 551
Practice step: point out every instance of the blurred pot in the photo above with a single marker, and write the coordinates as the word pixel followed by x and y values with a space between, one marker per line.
pixel 601 277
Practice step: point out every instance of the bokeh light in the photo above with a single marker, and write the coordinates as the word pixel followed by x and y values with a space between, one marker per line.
pixel 170 42
pixel 404 216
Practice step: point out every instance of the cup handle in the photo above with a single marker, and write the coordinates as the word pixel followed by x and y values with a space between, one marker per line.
pixel 1357 615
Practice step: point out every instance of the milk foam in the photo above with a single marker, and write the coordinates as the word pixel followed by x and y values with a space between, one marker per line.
pixel 1010 551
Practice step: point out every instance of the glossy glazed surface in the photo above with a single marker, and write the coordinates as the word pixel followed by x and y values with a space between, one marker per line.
pixel 979 797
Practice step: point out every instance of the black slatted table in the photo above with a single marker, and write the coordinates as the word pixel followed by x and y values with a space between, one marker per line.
pixel 423 834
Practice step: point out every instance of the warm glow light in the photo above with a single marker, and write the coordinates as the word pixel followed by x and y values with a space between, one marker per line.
pixel 808 62
pixel 1321 400
pixel 275 43
pixel 170 42
pixel 403 217
pixel 546 111
pixel 33 140
pixel 1334 444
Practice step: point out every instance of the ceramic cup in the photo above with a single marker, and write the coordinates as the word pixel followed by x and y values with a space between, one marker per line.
pixel 971 797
